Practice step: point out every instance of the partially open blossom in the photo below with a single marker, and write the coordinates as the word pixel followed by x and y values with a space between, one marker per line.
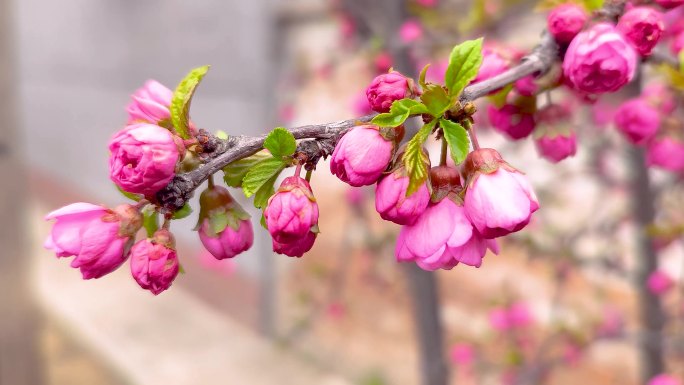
pixel 297 247
pixel 659 282
pixel 143 158
pixel 513 120
pixel 150 103
pixel 669 4
pixel 292 211
pixel 637 120
pixel 218 209
pixel 642 26
pixel 499 199
pixel 666 153
pixel 599 60
pixel 493 64
pixel 566 21
pixel 97 236
pixel 385 89
pixel 393 204
pixel 664 379
pixel 361 156
pixel 154 263
pixel 410 31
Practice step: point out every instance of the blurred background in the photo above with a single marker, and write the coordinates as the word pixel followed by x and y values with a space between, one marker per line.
pixel 566 301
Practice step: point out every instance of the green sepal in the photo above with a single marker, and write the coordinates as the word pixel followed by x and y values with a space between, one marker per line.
pixel 436 100
pixel 457 138
pixel 185 211
pixel 416 160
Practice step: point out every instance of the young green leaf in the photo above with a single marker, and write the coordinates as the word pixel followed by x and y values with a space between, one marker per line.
pixel 264 193
pixel 185 211
pixel 464 64
pixel 415 160
pixel 260 174
pixel 436 100
pixel 397 115
pixel 234 172
pixel 150 221
pixel 280 142
pixel 182 97
pixel 457 138
pixel 423 74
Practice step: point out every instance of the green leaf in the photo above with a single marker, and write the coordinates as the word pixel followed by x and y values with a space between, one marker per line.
pixel 280 142
pixel 131 196
pixel 681 61
pixel 182 96
pixel 183 212
pixel 457 138
pixel 150 220
pixel 264 193
pixel 261 174
pixel 436 100
pixel 415 160
pixel 400 111
pixel 592 5
pixel 235 171
pixel 464 64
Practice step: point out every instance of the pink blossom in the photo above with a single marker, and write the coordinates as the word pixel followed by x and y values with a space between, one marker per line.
pixel 664 379
pixel 297 247
pixel 387 88
pixel 677 44
pixel 642 26
pixel 599 60
pixel 557 147
pixel 511 120
pixel 492 64
pixel 666 153
pixel 659 282
pixel 143 158
pixel 514 316
pixel 637 120
pixel 150 103
pixel 393 204
pixel 441 238
pixel 566 21
pixel 669 4
pixel 499 199
pixel 361 156
pixel 462 354
pixel 410 31
pixel 292 211
pixel 154 263
pixel 98 237
pixel 218 207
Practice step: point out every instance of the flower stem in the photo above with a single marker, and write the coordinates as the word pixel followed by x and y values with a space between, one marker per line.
pixel 167 222
pixel 473 136
pixel 308 175
pixel 210 181
pixel 298 170
pixel 443 154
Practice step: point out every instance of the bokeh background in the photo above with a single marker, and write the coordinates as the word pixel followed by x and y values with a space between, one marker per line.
pixel 346 313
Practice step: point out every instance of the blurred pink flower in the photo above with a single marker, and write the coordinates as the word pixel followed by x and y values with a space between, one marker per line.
pixel 666 153
pixel 659 282
pixel 410 31
pixel 664 379
pixel 462 354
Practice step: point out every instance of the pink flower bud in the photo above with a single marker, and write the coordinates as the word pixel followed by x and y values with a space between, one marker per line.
pixel 98 237
pixel 669 4
pixel 154 263
pixel 292 211
pixel 143 158
pixel 150 103
pixel 642 26
pixel 637 120
pixel 410 31
pixel 557 147
pixel 441 238
pixel 664 379
pixel 393 204
pixel 492 64
pixel 599 60
pixel 659 282
pixel 361 156
pixel 219 208
pixel 297 247
pixel 666 153
pixel 511 120
pixel 499 199
pixel 387 88
pixel 566 21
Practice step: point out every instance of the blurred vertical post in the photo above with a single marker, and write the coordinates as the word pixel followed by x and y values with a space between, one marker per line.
pixel 422 284
pixel 20 361
pixel 643 212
